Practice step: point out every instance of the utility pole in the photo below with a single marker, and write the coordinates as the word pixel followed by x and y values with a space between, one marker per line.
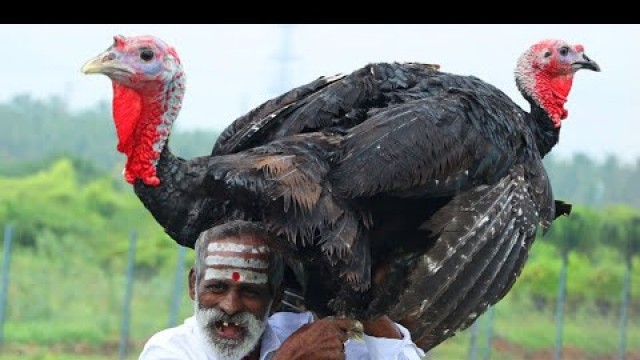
pixel 284 58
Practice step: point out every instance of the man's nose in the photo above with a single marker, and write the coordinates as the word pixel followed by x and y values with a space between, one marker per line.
pixel 231 303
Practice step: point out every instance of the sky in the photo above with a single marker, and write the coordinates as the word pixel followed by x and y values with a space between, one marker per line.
pixel 232 68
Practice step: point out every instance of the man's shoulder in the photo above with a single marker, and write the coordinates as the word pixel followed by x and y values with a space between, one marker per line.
pixel 175 339
pixel 285 323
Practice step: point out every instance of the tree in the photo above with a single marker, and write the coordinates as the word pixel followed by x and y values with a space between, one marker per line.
pixel 622 230
pixel 579 228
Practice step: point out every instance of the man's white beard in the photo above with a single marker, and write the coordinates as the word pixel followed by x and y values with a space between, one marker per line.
pixel 226 349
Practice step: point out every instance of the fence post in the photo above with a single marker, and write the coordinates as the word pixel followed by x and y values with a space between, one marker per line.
pixel 626 294
pixel 489 331
pixel 124 334
pixel 562 293
pixel 177 293
pixel 4 291
pixel 473 341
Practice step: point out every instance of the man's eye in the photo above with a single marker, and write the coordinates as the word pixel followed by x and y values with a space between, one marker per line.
pixel 216 287
pixel 252 293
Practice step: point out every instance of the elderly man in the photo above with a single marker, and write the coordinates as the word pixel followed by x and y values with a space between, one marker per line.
pixel 235 283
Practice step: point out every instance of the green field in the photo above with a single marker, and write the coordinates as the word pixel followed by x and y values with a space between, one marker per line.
pixel 69 309
pixel 68 270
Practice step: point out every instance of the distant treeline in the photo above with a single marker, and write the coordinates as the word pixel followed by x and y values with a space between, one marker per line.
pixel 581 180
pixel 35 132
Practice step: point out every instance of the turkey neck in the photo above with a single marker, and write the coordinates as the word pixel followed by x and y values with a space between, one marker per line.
pixel 541 125
pixel 546 96
pixel 166 200
pixel 159 105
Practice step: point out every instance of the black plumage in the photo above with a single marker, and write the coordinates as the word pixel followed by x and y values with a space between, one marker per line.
pixel 404 190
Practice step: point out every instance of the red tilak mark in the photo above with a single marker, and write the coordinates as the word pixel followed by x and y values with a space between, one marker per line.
pixel 235 276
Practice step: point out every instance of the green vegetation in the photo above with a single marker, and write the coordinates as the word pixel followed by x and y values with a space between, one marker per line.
pixel 62 190
pixel 68 269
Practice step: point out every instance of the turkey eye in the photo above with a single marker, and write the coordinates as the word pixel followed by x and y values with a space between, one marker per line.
pixel 146 55
pixel 564 51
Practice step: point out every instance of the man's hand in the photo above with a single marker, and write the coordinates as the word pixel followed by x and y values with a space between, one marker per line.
pixel 323 339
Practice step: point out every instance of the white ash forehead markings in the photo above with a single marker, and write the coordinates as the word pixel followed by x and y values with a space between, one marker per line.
pixel 230 247
pixel 240 275
pixel 236 261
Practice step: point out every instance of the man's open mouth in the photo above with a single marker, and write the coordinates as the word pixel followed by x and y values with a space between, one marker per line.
pixel 229 330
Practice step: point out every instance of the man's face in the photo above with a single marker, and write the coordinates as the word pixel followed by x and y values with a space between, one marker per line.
pixel 232 295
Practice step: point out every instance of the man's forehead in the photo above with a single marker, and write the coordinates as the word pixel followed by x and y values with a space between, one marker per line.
pixel 238 249
pixel 238 262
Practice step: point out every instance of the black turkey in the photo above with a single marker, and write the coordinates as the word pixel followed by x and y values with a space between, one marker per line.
pixel 402 189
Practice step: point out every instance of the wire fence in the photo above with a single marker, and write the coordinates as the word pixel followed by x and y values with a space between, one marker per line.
pixel 142 304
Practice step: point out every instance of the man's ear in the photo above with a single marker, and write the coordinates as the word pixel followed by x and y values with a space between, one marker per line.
pixel 192 283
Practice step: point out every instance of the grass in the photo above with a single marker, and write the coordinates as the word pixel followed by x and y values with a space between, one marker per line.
pixel 582 328
pixel 77 352
pixel 519 332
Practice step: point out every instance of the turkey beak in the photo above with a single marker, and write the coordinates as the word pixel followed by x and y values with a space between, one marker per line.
pixel 585 63
pixel 106 64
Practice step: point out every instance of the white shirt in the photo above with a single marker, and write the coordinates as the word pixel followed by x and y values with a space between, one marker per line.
pixel 186 342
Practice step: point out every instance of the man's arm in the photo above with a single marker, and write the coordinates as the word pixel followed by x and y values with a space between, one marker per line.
pixel 388 340
pixel 172 344
pixel 382 327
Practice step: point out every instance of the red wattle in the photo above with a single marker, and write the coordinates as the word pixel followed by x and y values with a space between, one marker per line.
pixel 136 134
pixel 554 96
pixel 127 105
